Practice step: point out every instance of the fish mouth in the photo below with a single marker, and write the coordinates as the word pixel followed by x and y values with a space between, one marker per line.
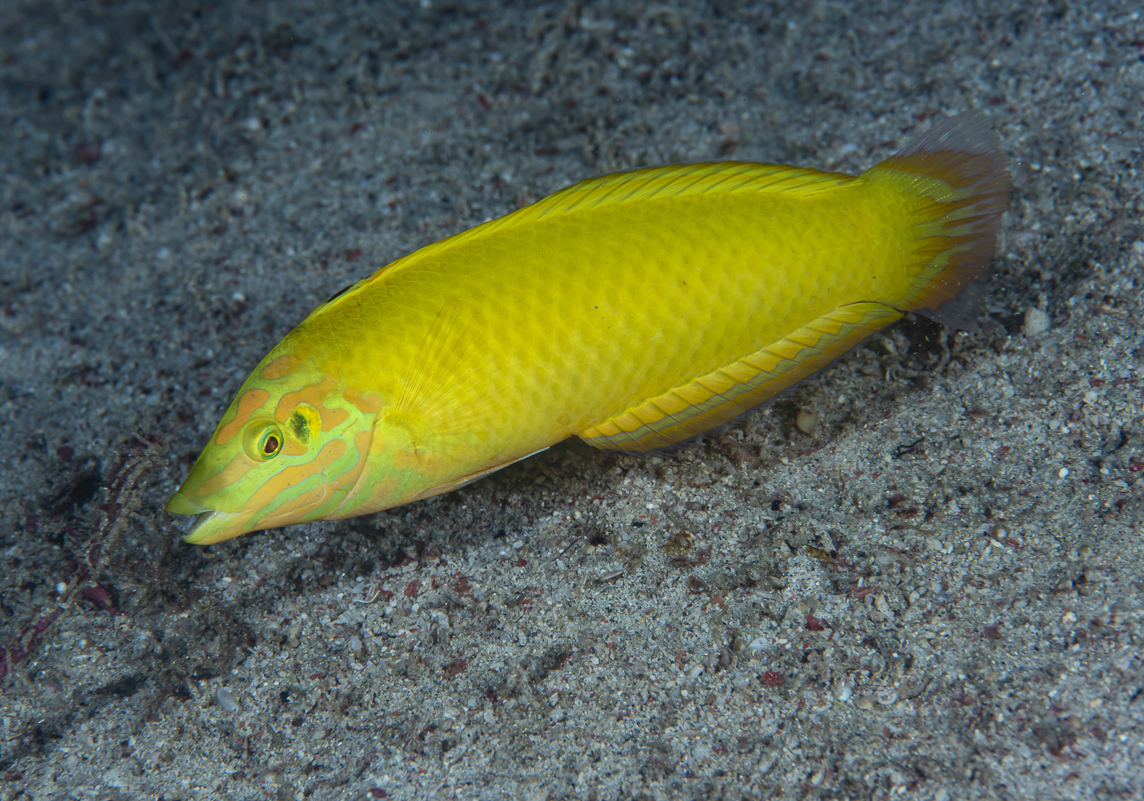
pixel 209 525
pixel 214 526
pixel 180 504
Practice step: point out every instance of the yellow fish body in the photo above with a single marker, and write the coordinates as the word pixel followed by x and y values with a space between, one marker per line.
pixel 633 310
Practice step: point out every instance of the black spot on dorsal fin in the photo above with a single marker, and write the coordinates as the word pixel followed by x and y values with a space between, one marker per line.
pixel 340 292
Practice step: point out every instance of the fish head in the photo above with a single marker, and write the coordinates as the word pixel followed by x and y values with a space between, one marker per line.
pixel 289 449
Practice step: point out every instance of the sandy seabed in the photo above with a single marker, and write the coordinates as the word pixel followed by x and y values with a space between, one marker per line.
pixel 917 575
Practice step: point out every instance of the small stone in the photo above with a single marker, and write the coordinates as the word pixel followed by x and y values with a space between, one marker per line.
pixel 227 700
pixel 881 604
pixel 806 421
pixel 1037 322
pixel 292 636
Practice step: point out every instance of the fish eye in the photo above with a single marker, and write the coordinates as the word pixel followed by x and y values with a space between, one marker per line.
pixel 271 444
pixel 263 441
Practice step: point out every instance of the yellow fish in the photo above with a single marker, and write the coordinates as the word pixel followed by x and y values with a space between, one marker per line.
pixel 633 310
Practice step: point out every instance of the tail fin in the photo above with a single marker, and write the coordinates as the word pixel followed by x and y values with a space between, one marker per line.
pixel 960 184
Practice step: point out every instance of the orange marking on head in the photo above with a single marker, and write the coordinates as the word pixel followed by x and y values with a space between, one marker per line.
pixel 332 418
pixel 349 484
pixel 279 368
pixel 313 394
pixel 293 447
pixel 235 470
pixel 293 476
pixel 347 479
pixel 366 402
pixel 250 402
pixel 362 442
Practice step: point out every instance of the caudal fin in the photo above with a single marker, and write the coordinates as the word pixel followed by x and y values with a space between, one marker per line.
pixel 959 183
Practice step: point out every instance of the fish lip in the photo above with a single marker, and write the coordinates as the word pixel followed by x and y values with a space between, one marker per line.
pixel 214 526
pixel 181 504
pixel 206 525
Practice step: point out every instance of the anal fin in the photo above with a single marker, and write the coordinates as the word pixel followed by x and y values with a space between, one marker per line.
pixel 722 395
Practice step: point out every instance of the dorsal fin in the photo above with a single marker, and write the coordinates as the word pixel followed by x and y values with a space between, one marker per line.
pixel 678 181
pixel 624 187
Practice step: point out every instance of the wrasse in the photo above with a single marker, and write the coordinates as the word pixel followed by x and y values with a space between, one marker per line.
pixel 634 310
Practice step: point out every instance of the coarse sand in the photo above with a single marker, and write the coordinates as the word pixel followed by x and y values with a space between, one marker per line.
pixel 919 574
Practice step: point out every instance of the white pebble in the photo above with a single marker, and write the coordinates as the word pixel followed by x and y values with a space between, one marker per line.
pixel 227 700
pixel 806 421
pixel 1037 322
pixel 1064 473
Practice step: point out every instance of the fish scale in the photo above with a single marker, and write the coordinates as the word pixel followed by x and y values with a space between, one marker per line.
pixel 634 310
